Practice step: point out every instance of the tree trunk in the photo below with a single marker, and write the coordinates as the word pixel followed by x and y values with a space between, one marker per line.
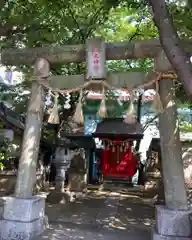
pixel 170 42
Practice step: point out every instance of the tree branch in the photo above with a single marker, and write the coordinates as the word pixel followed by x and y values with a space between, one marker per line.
pixel 149 122
pixel 170 42
pixel 8 30
pixel 93 20
pixel 131 38
pixel 77 24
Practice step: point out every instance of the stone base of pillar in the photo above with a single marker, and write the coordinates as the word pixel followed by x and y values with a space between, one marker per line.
pixel 157 236
pixel 23 219
pixel 1 208
pixel 172 224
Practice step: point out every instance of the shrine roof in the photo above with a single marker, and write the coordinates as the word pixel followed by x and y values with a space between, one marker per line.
pixel 74 143
pixel 117 127
pixel 76 139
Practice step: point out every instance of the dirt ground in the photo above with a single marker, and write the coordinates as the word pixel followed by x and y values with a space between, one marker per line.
pixel 101 215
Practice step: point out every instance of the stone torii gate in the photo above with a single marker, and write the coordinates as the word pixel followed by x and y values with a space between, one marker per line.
pixel 23 216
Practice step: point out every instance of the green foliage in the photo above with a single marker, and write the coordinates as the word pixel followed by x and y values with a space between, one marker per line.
pixel 16 95
pixel 115 108
pixel 185 126
pixel 6 148
pixel 59 22
pixel 182 14
pixel 54 22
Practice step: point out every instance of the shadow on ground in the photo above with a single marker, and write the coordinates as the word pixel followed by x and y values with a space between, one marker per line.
pixel 100 216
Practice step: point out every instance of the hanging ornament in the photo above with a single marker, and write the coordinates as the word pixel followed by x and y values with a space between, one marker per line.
pixel 67 101
pixel 102 113
pixel 78 115
pixel 9 75
pixel 110 144
pixel 130 116
pixel 54 115
pixel 141 91
pixel 157 104
pixel 118 155
pixel 107 145
pixel 125 148
pixel 48 99
pixel 121 148
pixel 113 148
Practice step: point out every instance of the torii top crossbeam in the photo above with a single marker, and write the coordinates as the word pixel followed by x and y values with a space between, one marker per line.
pixel 77 53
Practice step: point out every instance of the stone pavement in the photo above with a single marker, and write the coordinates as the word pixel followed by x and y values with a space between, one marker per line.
pixel 101 215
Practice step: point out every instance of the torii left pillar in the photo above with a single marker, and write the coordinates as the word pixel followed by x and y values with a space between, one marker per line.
pixel 23 216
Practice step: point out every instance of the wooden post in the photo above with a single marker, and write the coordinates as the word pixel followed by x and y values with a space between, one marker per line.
pixel 30 146
pixel 172 164
pixel 96 57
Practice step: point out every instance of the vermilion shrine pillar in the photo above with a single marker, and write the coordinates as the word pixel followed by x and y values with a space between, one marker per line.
pixel 24 214
pixel 172 220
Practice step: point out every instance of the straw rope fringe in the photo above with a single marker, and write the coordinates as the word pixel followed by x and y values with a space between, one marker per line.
pixel 130 116
pixel 102 113
pixel 78 115
pixel 54 115
pixel 157 104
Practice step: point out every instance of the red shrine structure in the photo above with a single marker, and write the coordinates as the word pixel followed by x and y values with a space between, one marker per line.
pixel 119 160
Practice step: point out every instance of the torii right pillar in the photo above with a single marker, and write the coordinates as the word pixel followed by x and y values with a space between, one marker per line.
pixel 173 218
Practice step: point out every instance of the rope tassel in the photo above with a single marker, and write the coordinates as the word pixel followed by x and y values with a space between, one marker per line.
pixel 102 112
pixel 157 104
pixel 78 115
pixel 130 116
pixel 54 115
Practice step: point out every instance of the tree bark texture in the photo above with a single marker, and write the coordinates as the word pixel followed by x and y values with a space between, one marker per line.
pixel 30 146
pixel 171 44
